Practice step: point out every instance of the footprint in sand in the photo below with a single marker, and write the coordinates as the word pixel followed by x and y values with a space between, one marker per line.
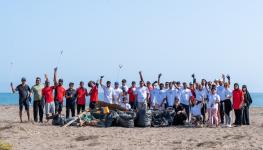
pixel 85 138
pixel 208 144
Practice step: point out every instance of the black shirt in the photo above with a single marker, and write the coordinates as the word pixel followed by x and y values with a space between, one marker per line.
pixel 71 92
pixel 23 91
pixel 178 108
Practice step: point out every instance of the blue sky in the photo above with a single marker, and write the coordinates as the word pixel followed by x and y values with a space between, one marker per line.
pixel 174 37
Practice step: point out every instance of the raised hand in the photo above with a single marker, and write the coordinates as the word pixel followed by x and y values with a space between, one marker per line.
pixel 101 77
pixel 228 77
pixel 193 75
pixel 56 69
pixel 159 75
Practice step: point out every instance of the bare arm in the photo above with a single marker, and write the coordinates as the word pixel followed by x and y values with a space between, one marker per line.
pixel 224 78
pixel 159 78
pixel 101 84
pixel 55 76
pixel 12 88
pixel 141 77
pixel 228 79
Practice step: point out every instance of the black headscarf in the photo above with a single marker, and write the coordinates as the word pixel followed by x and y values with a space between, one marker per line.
pixel 247 97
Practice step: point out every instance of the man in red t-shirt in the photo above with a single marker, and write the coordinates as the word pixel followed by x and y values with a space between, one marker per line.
pixel 60 92
pixel 132 97
pixel 47 93
pixel 93 94
pixel 81 97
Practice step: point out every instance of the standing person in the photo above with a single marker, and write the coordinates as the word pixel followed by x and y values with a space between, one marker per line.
pixel 117 94
pixel 238 101
pixel 247 103
pixel 142 96
pixel 227 104
pixel 149 86
pixel 213 102
pixel 60 93
pixel 154 96
pixel 38 104
pixel 131 93
pixel 171 95
pixel 24 97
pixel 47 93
pixel 201 98
pixel 108 92
pixel 124 88
pixel 94 94
pixel 161 97
pixel 81 97
pixel 221 92
pixel 70 100
pixel 185 96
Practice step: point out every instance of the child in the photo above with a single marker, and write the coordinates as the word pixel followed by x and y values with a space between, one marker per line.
pixel 214 99
pixel 196 114
pixel 125 105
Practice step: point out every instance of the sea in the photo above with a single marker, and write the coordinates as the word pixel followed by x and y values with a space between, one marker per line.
pixel 12 99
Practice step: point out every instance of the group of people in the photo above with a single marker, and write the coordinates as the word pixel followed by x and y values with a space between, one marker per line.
pixel 198 103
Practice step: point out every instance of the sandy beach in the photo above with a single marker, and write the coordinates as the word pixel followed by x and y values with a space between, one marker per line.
pixel 45 136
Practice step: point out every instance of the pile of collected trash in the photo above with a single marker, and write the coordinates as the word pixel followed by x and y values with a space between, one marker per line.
pixel 127 119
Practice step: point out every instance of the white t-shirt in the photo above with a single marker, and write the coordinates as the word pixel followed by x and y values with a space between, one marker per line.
pixel 171 94
pixel 161 96
pixel 185 96
pixel 125 87
pixel 221 92
pixel 126 106
pixel 141 93
pixel 227 93
pixel 212 101
pixel 196 110
pixel 108 92
pixel 200 95
pixel 117 96
pixel 154 95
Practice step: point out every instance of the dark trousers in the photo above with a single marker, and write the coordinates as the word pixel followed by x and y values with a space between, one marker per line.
pixel 58 106
pixel 222 112
pixel 203 112
pixel 80 108
pixel 132 105
pixel 186 107
pixel 245 116
pixel 38 110
pixel 180 119
pixel 238 114
pixel 92 105
pixel 70 107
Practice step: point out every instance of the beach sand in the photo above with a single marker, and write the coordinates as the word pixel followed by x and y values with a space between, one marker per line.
pixel 45 136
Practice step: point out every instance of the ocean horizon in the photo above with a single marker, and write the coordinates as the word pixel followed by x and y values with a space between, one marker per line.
pixel 12 99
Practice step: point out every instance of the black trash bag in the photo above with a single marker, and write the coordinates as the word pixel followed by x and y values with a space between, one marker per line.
pixel 169 116
pixel 126 119
pixel 159 119
pixel 58 120
pixel 108 120
pixel 143 118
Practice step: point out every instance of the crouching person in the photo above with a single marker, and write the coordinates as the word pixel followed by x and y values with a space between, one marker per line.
pixel 180 114
pixel 197 118
pixel 125 105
